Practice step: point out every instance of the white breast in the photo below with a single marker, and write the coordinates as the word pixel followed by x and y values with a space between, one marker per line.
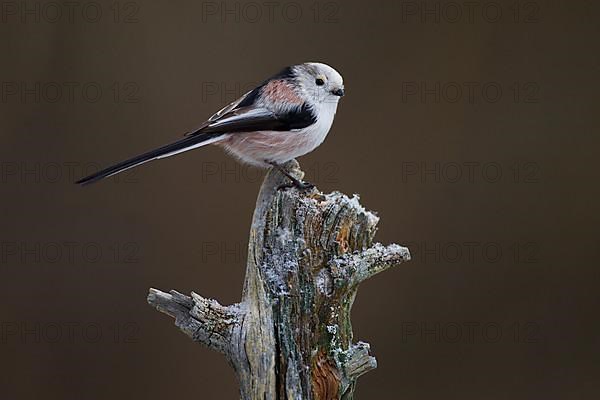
pixel 316 133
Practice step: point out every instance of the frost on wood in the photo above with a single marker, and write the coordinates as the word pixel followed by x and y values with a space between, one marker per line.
pixel 290 337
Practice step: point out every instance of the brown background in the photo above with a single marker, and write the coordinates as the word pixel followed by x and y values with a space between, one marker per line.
pixel 182 223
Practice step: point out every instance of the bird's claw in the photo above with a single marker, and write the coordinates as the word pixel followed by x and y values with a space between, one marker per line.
pixel 298 184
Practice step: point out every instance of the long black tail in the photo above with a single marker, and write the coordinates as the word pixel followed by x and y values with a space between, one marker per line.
pixel 188 143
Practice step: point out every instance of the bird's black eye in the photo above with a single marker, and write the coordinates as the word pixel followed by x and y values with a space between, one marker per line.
pixel 320 82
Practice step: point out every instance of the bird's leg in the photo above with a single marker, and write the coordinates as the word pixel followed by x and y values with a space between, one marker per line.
pixel 301 185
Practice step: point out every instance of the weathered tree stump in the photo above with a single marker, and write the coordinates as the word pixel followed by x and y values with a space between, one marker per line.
pixel 291 337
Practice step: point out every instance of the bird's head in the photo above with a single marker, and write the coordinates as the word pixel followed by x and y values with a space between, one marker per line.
pixel 319 82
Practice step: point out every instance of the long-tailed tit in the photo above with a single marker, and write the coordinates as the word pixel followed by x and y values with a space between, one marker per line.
pixel 285 117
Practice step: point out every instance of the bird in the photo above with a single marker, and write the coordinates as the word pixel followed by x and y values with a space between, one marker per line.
pixel 286 116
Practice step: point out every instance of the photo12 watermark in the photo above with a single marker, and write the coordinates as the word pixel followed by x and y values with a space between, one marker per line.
pixel 72 92
pixel 470 332
pixel 223 252
pixel 475 252
pixel 64 172
pixel 224 92
pixel 468 12
pixel 36 332
pixel 70 12
pixel 469 92
pixel 68 252
pixel 230 171
pixel 254 12
pixel 470 172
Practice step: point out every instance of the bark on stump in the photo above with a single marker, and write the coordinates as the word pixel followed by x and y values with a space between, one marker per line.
pixel 291 337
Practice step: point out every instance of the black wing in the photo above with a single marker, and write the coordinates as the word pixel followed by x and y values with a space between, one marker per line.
pixel 251 118
pixel 245 115
pixel 236 120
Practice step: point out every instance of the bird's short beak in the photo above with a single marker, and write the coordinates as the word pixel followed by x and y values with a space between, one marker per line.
pixel 338 92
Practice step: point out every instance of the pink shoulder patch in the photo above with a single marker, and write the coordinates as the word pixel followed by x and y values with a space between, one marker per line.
pixel 279 90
